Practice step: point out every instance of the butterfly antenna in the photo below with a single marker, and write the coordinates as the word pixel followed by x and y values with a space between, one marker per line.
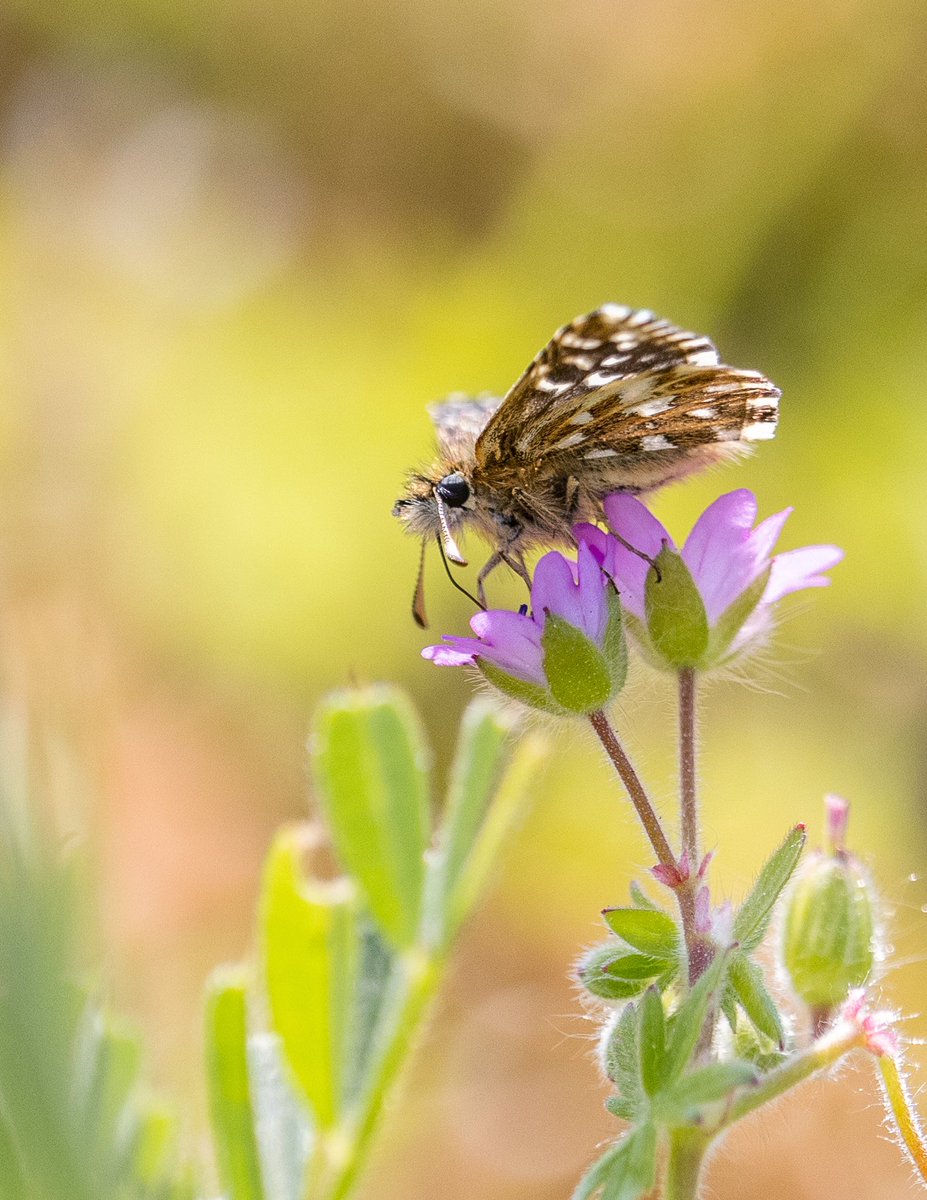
pixel 450 576
pixel 418 597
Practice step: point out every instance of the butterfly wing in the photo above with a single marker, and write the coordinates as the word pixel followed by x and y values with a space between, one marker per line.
pixel 620 383
pixel 459 420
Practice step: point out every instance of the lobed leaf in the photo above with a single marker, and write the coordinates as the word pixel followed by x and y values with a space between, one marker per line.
pixel 705 1085
pixel 754 998
pixel 754 914
pixel 370 764
pixel 652 1034
pixel 651 931
pixel 626 1171
pixel 230 1106
pixel 309 950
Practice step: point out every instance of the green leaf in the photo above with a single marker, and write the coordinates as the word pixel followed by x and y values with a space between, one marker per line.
pixel 482 749
pixel 749 987
pixel 309 946
pixel 609 972
pixel 507 809
pixel 576 671
pixel 648 930
pixel 732 620
pixel 229 1087
pixel 622 1059
pixel 370 765
pixel 652 1034
pixel 676 617
pixel 640 899
pixel 626 1171
pixel 374 969
pixel 754 914
pixel 284 1132
pixel 705 1085
pixel 11 1166
pixel 687 1023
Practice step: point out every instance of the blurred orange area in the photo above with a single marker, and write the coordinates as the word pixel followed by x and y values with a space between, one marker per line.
pixel 243 246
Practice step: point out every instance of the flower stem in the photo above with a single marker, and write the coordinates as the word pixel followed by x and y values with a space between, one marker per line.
pixel 634 788
pixel 687 783
pixel 699 951
pixel 684 1167
pixel 801 1066
pixel 903 1113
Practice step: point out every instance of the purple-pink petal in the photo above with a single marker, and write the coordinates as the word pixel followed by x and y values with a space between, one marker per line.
pixel 640 529
pixel 510 640
pixel 718 551
pixel 797 569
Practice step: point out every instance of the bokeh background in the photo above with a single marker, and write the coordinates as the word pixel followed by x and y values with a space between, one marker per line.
pixel 241 247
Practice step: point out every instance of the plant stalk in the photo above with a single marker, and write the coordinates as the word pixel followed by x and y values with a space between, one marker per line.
pixel 684 1167
pixel 698 949
pixel 903 1113
pixel 687 777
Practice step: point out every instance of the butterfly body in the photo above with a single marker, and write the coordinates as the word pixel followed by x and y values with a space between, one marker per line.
pixel 618 400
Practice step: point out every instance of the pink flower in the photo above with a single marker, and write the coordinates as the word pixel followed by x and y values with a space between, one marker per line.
pixel 567 654
pixel 736 577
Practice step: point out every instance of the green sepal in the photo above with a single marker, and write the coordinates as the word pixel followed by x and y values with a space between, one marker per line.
pixel 615 644
pixel 753 996
pixel 621 1108
pixel 576 670
pixel 532 694
pixel 309 942
pixel 757 1048
pixel 227 1077
pixel 753 916
pixel 651 931
pixel 732 620
pixel 677 623
pixel 705 1085
pixel 370 763
pixel 626 1171
pixel 652 1034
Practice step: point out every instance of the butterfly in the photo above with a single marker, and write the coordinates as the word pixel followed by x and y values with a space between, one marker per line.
pixel 619 400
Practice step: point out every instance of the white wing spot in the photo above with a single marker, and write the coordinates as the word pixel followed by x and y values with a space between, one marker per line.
pixel 703 358
pixel 615 312
pixel 652 408
pixel 656 441
pixel 601 378
pixel 727 435
pixel 759 431
pixel 704 414
pixel 604 453
pixel 573 439
pixel 583 417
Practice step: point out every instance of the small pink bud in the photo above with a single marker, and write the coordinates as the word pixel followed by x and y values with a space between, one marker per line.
pixel 838 817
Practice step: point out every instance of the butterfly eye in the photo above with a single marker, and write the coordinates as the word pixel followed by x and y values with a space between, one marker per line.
pixel 454 490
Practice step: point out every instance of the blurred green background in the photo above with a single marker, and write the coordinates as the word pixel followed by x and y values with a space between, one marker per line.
pixel 241 247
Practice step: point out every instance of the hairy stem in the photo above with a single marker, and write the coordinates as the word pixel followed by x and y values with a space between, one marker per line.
pixel 634 788
pixel 687 789
pixel 699 950
pixel 684 1166
pixel 903 1114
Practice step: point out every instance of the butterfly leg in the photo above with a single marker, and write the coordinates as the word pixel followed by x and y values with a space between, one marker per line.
pixel 517 564
pixel 491 565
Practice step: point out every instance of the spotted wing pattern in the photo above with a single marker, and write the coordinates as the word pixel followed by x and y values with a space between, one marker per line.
pixel 459 420
pixel 619 383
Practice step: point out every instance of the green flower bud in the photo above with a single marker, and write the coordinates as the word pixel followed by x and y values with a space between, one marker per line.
pixel 829 936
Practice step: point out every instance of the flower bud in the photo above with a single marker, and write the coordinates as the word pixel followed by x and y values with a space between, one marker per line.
pixel 829 939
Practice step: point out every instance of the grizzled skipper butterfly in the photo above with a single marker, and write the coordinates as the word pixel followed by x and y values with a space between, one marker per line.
pixel 619 400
